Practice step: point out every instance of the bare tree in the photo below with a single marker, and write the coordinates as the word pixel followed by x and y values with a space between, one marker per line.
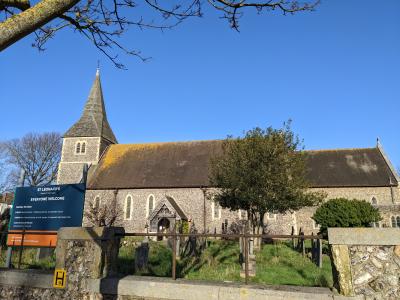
pixel 104 21
pixel 3 170
pixel 103 214
pixel 37 154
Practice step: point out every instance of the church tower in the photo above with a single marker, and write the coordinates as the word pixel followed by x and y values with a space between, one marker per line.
pixel 86 140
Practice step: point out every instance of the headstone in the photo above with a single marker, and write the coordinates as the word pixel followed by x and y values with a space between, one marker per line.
pixel 142 256
pixel 251 246
pixel 43 253
pixel 251 257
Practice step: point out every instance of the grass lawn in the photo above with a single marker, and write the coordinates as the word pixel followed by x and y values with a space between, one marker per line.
pixel 276 264
pixel 28 260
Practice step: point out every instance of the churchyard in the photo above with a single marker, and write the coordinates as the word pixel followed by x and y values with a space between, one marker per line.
pixel 100 259
pixel 276 263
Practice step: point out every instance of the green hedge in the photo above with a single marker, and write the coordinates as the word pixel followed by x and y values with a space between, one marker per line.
pixel 343 212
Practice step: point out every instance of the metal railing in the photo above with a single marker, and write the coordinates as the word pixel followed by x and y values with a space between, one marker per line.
pixel 301 238
pixel 20 244
pixel 316 243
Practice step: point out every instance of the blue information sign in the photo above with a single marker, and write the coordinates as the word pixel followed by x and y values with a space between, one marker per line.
pixel 48 207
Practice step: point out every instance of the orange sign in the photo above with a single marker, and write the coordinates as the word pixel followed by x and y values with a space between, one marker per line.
pixel 38 240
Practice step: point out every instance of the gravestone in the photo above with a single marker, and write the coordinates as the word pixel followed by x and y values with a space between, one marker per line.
pixel 43 253
pixel 251 256
pixel 142 256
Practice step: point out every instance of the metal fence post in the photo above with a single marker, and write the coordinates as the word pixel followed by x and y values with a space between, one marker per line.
pixel 9 249
pixel 21 248
pixel 313 249
pixel 174 256
pixel 293 242
pixel 303 244
pixel 246 258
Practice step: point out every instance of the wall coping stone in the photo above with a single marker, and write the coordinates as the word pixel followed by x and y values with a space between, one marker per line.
pixel 89 233
pixel 27 278
pixel 166 288
pixel 364 236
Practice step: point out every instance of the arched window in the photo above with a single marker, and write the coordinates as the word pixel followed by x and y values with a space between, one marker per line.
pixel 315 225
pixel 150 204
pixel 78 148
pixel 83 148
pixel 128 207
pixel 374 201
pixel 215 211
pixel 96 202
pixel 394 221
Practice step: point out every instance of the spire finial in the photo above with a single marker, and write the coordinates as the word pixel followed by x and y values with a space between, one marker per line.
pixel 98 68
pixel 378 143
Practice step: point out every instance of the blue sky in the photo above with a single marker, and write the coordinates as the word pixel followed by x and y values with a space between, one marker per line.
pixel 334 72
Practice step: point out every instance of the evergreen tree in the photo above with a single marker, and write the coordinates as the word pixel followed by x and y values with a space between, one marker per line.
pixel 342 212
pixel 264 171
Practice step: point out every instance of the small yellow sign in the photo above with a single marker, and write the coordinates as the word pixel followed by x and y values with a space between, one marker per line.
pixel 60 279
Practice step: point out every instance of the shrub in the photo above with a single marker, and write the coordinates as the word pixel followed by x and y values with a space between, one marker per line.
pixel 183 226
pixel 345 213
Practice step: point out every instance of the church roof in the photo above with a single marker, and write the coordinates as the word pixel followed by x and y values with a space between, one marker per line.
pixel 365 167
pixel 93 121
pixel 185 164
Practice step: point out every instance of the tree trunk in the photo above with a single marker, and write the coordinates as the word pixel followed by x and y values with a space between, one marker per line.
pixel 18 26
pixel 260 229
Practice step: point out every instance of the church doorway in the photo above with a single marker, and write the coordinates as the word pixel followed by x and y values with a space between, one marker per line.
pixel 163 227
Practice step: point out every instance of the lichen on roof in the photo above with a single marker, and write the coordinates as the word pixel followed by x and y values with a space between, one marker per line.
pixel 115 153
pixel 186 164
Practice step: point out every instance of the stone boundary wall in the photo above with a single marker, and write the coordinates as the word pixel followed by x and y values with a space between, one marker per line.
pixel 33 284
pixel 89 256
pixel 366 261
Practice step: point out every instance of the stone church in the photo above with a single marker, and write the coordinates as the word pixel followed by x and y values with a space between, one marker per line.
pixel 156 184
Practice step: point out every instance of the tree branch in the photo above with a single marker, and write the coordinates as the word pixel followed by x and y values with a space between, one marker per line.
pixel 232 8
pixel 19 26
pixel 20 4
pixel 103 22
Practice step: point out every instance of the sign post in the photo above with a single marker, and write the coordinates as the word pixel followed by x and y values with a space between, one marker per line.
pixel 9 249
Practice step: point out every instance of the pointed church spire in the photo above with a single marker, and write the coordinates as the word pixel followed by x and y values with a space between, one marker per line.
pixel 93 121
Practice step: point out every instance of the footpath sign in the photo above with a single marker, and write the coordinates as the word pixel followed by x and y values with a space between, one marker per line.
pixel 45 209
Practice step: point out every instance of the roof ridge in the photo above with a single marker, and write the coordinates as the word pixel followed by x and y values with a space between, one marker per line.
pixel 340 149
pixel 164 143
pixel 220 140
